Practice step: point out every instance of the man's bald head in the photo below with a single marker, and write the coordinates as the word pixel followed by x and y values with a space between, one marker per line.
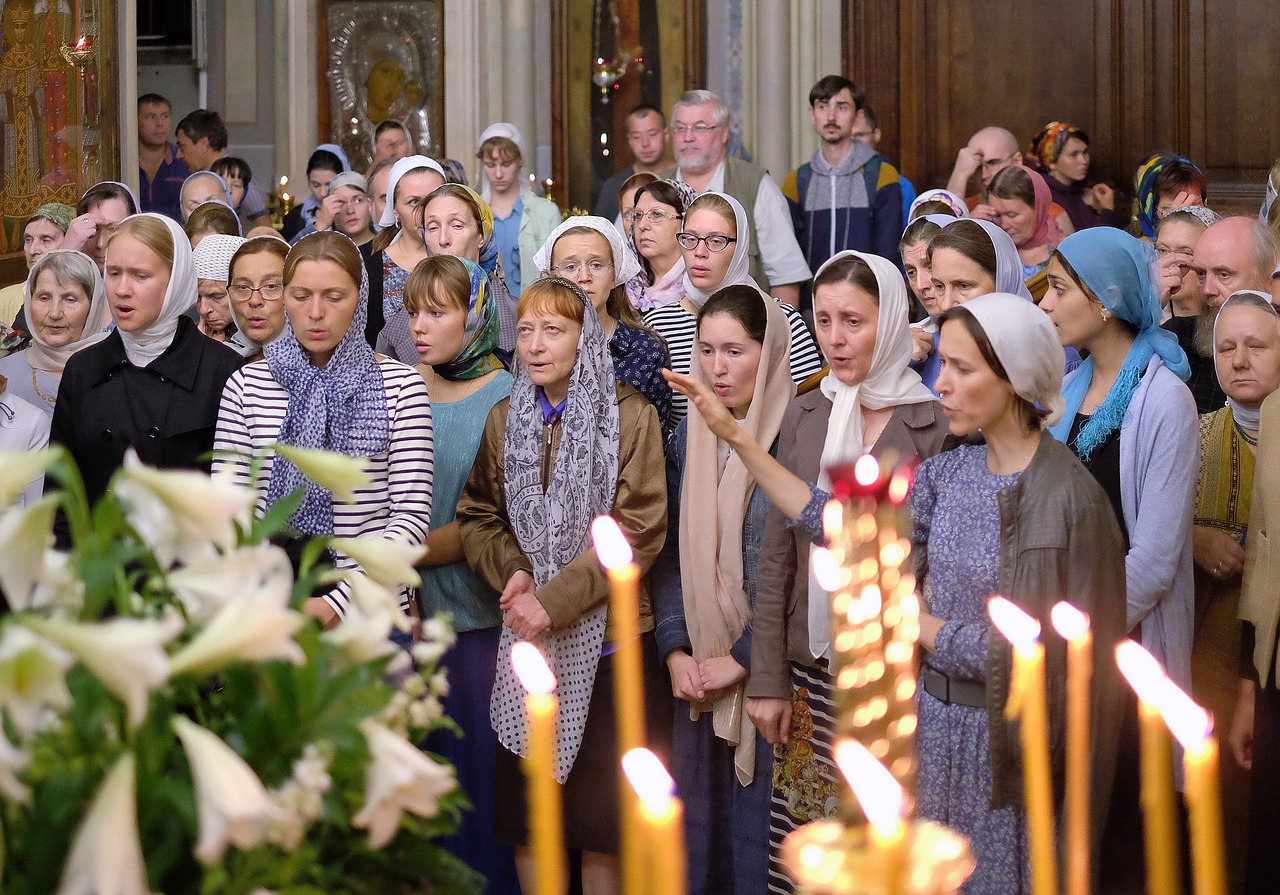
pixel 999 148
pixel 1236 253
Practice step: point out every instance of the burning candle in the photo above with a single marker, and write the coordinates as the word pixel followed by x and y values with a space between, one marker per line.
pixel 82 44
pixel 546 832
pixel 1073 625
pixel 882 801
pixel 1194 729
pixel 1027 703
pixel 661 829
pixel 1148 681
pixel 624 609
pixel 284 182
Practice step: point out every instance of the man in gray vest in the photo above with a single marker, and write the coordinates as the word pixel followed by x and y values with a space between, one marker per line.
pixel 700 138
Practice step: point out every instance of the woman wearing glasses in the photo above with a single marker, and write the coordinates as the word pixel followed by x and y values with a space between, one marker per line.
pixel 716 248
pixel 654 223
pixel 256 292
pixel 589 251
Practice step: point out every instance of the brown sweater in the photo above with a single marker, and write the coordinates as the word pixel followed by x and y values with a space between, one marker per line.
pixel 639 507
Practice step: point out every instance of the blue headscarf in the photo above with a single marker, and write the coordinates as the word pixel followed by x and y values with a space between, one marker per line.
pixel 1121 272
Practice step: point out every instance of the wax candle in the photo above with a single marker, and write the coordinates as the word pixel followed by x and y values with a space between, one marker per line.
pixel 1073 626
pixel 1027 703
pixel 883 801
pixel 661 827
pixel 1148 681
pixel 624 610
pixel 546 828
pixel 1194 729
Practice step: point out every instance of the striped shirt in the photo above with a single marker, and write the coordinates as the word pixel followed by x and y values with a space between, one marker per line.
pixel 679 327
pixel 396 504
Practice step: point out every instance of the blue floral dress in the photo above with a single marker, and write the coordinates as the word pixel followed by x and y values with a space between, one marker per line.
pixel 957 519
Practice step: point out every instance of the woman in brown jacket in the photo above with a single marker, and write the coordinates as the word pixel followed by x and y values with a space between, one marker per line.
pixel 569 444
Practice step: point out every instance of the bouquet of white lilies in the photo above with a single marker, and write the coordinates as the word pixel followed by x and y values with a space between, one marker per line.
pixel 169 722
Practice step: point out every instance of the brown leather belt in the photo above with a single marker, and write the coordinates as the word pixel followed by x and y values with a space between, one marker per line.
pixel 953 692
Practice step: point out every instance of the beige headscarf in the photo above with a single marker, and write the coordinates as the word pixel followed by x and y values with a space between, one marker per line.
pixel 714 498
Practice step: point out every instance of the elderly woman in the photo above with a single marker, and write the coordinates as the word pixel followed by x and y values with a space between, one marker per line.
pixel 43 232
pixel 971 258
pixel 212 259
pixel 255 293
pixel 65 301
pixel 1020 199
pixel 571 443
pixel 154 383
pixel 202 187
pixel 654 223
pixel 590 251
pixel 322 387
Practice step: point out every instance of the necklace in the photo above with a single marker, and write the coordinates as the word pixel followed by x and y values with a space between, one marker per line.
pixel 48 399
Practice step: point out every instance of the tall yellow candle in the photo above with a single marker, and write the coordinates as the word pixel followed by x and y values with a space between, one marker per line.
pixel 624 609
pixel 1073 626
pixel 1194 730
pixel 883 801
pixel 1144 674
pixel 1027 703
pixel 546 827
pixel 661 825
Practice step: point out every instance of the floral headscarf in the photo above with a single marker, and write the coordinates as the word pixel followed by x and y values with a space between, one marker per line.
pixel 1144 188
pixel 1047 145
pixel 480 338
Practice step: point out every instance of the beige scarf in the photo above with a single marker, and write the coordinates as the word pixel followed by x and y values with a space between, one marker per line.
pixel 713 499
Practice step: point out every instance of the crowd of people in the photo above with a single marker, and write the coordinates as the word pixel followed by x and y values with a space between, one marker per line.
pixel 1089 398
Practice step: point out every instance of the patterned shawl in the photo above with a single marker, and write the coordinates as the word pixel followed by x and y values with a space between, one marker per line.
pixel 481 335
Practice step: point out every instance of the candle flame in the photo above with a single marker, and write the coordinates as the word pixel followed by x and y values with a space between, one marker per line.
pixel 531 668
pixel 1142 671
pixel 880 795
pixel 832 519
pixel 611 547
pixel 1069 621
pixel 866 471
pixel 825 568
pixel 82 43
pixel 1190 723
pixel 647 776
pixel 1018 628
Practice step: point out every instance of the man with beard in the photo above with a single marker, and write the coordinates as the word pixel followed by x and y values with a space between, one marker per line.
pixel 847 196
pixel 1233 254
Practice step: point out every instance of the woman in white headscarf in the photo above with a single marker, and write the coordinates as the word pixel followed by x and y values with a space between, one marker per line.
pixel 716 242
pixel 212 259
pixel 1009 512
pixel 591 252
pixel 154 383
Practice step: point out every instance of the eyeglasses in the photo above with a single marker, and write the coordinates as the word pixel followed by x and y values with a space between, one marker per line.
pixel 995 164
pixel 715 242
pixel 699 130
pixel 268 291
pixel 570 269
pixel 653 216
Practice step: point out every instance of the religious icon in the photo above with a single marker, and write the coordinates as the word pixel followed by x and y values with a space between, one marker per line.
pixel 385 62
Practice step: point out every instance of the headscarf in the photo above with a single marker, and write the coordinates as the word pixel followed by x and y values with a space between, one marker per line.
pixel 137 206
pixel 212 257
pixel 1121 272
pixel 501 129
pixel 952 201
pixel 144 346
pixel 713 503
pixel 1008 263
pixel 1047 232
pixel 480 338
pixel 1026 343
pixel 739 268
pixel 1144 188
pixel 1047 145
pixel 484 214
pixel 1248 417
pixel 60 215
pixel 1268 199
pixel 226 190
pixel 670 288
pixel 340 407
pixel 40 354
pixel 1201 213
pixel 553 527
pixel 400 169
pixel 625 264
pixel 353 179
pixel 889 382
pixel 311 204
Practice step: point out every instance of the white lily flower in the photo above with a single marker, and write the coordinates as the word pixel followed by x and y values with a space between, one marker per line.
pixel 398 778
pixel 373 599
pixel 12 762
pixel 387 561
pixel 206 586
pixel 32 678
pixel 126 654
pixel 106 854
pixel 19 468
pixel 59 585
pixel 362 637
pixel 252 627
pixel 338 474
pixel 232 803
pixel 25 534
pixel 181 514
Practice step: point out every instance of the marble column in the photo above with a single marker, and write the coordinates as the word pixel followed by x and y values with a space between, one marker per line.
pixel 773 90
pixel 519 69
pixel 815 53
